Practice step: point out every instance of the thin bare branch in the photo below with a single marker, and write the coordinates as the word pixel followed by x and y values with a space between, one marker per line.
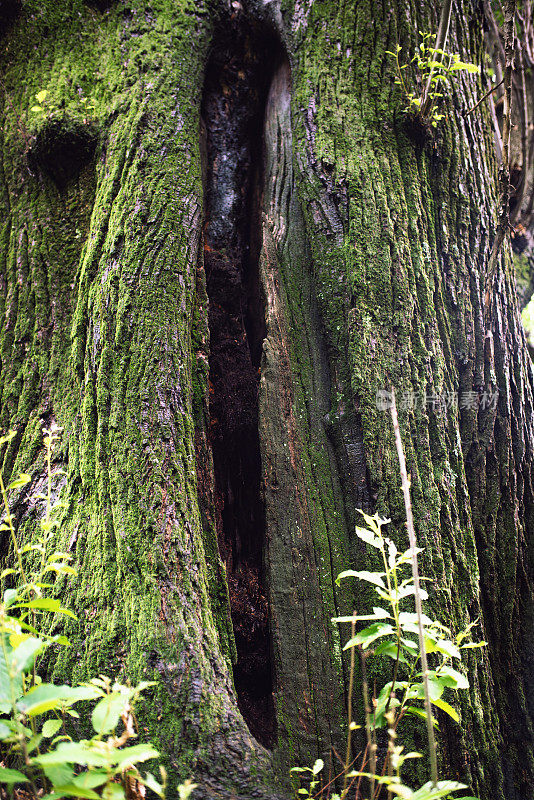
pixel 417 588
pixel 484 98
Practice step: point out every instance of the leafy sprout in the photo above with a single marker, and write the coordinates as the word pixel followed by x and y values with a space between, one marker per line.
pixel 433 66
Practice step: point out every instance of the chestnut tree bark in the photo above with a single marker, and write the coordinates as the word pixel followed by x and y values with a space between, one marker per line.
pixel 221 239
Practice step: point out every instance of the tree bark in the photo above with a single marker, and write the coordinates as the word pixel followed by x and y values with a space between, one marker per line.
pixel 232 254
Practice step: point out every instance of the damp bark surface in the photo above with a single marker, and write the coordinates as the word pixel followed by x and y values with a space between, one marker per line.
pixel 235 93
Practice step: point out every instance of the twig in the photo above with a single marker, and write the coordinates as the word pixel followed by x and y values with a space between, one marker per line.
pixel 504 172
pixel 485 97
pixel 371 746
pixel 349 709
pixel 417 589
pixel 331 780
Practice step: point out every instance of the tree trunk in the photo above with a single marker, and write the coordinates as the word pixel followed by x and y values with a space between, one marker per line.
pixel 209 278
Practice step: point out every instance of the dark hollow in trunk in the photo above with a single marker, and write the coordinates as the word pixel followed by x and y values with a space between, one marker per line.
pixel 237 81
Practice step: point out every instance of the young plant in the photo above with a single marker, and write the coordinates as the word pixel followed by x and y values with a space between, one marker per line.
pixel 433 66
pixel 392 630
pixel 33 713
pixel 45 108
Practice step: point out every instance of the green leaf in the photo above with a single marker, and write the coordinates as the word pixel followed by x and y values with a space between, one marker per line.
pixel 48 696
pixel 448 709
pixel 61 569
pixel 62 640
pixel 84 754
pixel 375 522
pixel 451 677
pixel 71 790
pixel 390 649
pixel 10 595
pixel 370 634
pixel 135 754
pixel 59 556
pixel 400 790
pixel 30 548
pixel 318 766
pixel 23 657
pixel 107 713
pixel 442 789
pixel 150 781
pixel 113 791
pixel 60 775
pixel 5 732
pixel 446 647
pixel 410 618
pixel 9 684
pixel 368 537
pixel 51 727
pixel 363 575
pixel 47 604
pixel 41 96
pixel 378 613
pixel 91 779
pixel 75 753
pixel 11 776
pixel 22 480
pixel 7 572
pixel 436 688
pixel 465 65
pixel 406 591
pixel 419 712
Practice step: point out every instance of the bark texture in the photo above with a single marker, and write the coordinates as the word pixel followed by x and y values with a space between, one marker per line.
pixel 363 242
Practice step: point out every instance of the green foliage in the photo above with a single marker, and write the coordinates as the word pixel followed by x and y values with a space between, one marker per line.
pixel 45 107
pixel 34 714
pixel 393 632
pixel 432 66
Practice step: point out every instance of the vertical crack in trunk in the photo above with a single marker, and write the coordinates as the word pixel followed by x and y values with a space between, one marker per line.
pixel 235 94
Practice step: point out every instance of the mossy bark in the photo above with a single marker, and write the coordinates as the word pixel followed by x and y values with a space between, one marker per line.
pixel 374 239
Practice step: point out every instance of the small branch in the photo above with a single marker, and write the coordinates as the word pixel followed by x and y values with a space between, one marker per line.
pixel 484 98
pixel 349 710
pixel 504 173
pixel 370 743
pixel 496 130
pixel 417 588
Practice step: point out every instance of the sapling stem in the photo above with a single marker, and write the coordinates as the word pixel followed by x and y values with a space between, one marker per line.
pixel 371 746
pixel 417 588
pixel 349 711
